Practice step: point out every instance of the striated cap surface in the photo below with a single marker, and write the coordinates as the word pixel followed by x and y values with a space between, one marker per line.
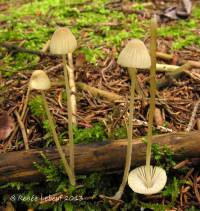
pixel 135 55
pixel 62 42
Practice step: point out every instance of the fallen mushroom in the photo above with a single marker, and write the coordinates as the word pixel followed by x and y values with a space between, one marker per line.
pixel 40 81
pixel 6 125
pixel 134 55
pixel 148 179
pixel 62 43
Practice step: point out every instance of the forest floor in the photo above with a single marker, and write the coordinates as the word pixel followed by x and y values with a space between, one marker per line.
pixel 102 29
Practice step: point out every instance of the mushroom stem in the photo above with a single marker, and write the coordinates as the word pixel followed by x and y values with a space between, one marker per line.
pixel 133 73
pixel 152 98
pixel 23 130
pixel 70 60
pixel 55 137
pixel 72 86
pixel 25 103
pixel 70 115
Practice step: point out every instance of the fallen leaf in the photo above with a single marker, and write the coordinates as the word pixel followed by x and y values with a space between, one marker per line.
pixel 6 125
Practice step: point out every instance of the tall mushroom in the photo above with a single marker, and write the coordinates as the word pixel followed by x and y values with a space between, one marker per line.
pixel 148 179
pixel 40 81
pixel 64 43
pixel 134 55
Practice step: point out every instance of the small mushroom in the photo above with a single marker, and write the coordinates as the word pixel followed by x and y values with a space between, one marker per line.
pixel 137 180
pixel 64 43
pixel 134 55
pixel 6 125
pixel 40 81
pixel 150 179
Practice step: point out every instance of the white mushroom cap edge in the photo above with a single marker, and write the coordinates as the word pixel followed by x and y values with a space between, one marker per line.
pixel 137 180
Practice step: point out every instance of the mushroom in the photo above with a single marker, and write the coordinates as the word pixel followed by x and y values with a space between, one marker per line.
pixel 64 43
pixel 6 125
pixel 134 55
pixel 40 81
pixel 137 180
pixel 148 179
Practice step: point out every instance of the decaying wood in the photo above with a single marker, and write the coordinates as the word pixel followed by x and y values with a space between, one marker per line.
pixel 105 156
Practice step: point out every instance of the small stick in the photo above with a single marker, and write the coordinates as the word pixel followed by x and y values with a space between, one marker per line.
pixel 23 130
pixel 192 119
pixel 166 67
pixel 16 48
pixel 164 56
pixel 99 92
pixel 167 79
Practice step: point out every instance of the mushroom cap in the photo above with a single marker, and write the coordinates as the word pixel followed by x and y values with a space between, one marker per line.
pixel 135 55
pixel 39 80
pixel 62 41
pixel 138 183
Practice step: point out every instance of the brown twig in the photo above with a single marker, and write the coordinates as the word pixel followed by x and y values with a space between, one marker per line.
pixel 15 48
pixel 192 119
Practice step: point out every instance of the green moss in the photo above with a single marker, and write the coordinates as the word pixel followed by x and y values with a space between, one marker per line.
pixel 88 135
pixel 120 133
pixel 36 106
pixel 183 32
pixel 35 22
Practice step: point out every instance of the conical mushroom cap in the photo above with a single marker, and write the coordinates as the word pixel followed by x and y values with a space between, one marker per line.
pixel 138 183
pixel 39 80
pixel 62 42
pixel 135 55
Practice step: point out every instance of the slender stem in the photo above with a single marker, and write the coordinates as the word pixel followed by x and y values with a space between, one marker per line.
pixel 70 60
pixel 72 86
pixel 152 98
pixel 23 130
pixel 130 134
pixel 70 115
pixel 25 102
pixel 55 137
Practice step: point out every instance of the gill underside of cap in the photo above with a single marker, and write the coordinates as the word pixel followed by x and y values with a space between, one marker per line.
pixel 137 180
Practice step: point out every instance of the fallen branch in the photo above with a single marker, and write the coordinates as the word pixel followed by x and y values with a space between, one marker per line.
pixel 104 156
